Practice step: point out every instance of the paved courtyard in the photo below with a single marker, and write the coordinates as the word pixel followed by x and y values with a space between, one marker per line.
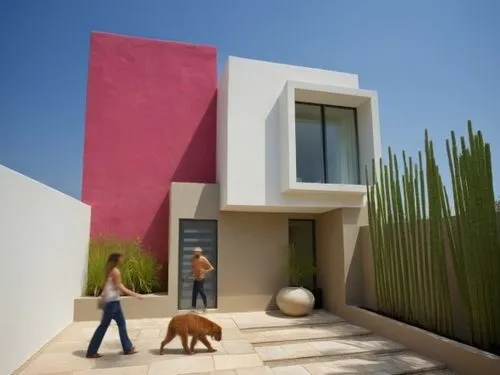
pixel 256 343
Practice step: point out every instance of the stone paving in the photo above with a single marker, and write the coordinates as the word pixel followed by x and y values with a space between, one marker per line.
pixel 256 343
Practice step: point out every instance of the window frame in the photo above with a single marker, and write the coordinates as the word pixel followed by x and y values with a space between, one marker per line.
pixel 323 138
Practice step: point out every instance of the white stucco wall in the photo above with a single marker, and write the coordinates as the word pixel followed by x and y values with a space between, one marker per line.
pixel 250 148
pixel 44 238
pixel 222 105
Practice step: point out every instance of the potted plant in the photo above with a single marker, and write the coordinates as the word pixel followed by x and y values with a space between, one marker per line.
pixel 295 300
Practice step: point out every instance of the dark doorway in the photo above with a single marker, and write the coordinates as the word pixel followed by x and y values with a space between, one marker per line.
pixel 302 233
pixel 192 234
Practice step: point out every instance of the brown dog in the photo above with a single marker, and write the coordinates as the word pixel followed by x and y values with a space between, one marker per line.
pixel 193 325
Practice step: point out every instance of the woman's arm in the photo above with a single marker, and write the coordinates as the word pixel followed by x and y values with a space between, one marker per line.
pixel 208 266
pixel 117 280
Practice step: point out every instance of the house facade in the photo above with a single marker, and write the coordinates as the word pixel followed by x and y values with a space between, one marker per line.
pixel 269 155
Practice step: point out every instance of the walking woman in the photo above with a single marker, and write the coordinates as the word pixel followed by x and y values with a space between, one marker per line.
pixel 112 310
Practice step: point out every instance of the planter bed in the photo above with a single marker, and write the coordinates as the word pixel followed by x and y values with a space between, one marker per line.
pixel 459 357
pixel 152 306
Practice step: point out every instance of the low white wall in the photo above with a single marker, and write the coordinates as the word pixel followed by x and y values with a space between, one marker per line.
pixel 44 238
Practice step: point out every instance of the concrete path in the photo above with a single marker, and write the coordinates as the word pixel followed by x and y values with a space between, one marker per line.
pixel 254 343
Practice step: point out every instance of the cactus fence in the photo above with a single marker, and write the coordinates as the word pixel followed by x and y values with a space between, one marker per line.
pixel 412 222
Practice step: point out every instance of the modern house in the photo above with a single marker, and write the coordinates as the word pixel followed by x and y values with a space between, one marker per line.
pixel 267 155
pixel 270 154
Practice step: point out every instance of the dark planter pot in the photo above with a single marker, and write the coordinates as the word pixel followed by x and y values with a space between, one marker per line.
pixel 318 298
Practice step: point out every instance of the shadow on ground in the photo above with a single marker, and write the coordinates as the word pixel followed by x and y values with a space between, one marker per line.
pixel 279 314
pixel 175 351
pixel 80 353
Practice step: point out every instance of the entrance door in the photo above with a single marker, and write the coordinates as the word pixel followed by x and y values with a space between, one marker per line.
pixel 192 234
pixel 302 234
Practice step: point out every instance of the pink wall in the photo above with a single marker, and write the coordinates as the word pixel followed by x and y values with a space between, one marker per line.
pixel 150 121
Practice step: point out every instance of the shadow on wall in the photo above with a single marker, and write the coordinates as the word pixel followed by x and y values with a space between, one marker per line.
pixel 272 154
pixel 197 164
pixel 205 204
pixel 360 282
pixel 355 293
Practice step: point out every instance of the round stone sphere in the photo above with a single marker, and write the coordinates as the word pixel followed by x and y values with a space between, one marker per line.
pixel 295 301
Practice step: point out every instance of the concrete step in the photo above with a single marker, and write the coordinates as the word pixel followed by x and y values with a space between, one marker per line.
pixel 387 364
pixel 263 320
pixel 331 348
pixel 301 333
pixel 322 343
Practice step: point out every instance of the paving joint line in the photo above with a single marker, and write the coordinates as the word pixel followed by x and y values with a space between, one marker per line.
pixel 306 340
pixel 278 327
pixel 332 357
pixel 437 367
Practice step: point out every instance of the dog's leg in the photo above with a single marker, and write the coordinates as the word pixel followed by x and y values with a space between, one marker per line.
pixel 184 340
pixel 205 342
pixel 194 340
pixel 169 337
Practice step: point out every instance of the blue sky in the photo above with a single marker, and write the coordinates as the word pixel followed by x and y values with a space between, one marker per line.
pixel 435 64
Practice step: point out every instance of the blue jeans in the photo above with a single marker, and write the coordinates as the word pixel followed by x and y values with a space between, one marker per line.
pixel 112 311
pixel 198 288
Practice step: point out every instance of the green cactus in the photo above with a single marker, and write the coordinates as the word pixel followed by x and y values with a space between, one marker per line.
pixel 412 220
pixel 406 229
pixel 474 235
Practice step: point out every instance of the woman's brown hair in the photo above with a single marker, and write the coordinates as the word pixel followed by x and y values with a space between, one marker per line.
pixel 113 261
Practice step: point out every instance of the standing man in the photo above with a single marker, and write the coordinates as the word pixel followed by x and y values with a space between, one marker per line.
pixel 200 266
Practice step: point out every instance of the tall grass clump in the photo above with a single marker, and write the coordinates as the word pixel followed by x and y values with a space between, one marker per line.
pixel 140 272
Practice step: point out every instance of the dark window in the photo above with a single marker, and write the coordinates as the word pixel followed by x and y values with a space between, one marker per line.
pixel 326 143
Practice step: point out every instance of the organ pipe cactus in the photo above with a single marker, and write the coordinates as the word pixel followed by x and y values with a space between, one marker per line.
pixel 411 223
pixel 408 236
pixel 474 235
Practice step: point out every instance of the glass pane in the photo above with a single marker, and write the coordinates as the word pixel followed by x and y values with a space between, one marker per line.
pixel 309 143
pixel 341 146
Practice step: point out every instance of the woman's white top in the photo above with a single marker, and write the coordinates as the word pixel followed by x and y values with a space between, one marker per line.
pixel 110 292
